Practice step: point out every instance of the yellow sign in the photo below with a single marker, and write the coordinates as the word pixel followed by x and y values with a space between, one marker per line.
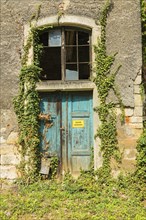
pixel 78 123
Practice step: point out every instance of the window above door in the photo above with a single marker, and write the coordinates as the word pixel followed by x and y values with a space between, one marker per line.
pixel 66 54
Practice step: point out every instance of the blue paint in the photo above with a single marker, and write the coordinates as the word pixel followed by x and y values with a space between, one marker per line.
pixel 49 136
pixel 71 144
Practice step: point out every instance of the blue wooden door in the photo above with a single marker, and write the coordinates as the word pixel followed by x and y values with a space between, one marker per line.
pixel 50 124
pixel 80 132
pixel 69 134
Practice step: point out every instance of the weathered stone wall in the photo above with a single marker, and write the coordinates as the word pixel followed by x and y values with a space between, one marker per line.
pixel 123 37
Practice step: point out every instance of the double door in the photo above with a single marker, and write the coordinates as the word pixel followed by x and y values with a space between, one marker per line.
pixel 67 129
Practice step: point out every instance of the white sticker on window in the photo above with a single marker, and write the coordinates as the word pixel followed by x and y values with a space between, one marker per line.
pixel 55 38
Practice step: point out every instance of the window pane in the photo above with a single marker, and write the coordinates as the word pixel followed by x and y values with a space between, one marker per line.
pixel 83 38
pixel 71 54
pixel 84 71
pixel 71 72
pixel 70 37
pixel 83 53
pixel 51 63
pixel 44 39
pixel 55 38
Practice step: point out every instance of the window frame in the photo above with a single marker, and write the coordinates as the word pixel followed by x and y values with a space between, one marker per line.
pixel 63 52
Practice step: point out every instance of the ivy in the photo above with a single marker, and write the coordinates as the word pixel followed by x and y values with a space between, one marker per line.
pixel 26 105
pixel 105 81
pixel 141 145
pixel 141 157
pixel 143 24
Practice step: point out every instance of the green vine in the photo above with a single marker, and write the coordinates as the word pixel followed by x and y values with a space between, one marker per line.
pixel 143 24
pixel 26 105
pixel 141 157
pixel 105 81
pixel 141 146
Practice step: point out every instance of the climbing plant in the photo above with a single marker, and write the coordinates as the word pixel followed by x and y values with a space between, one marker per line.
pixel 143 25
pixel 141 146
pixel 26 105
pixel 141 157
pixel 105 81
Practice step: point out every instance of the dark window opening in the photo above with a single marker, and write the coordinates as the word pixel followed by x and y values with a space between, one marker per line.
pixel 66 54
pixel 51 63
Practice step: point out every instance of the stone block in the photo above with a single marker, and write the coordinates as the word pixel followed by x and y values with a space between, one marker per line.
pixel 6 149
pixel 8 172
pixel 137 100
pixel 137 126
pixel 129 111
pixel 10 159
pixel 128 165
pixel 136 119
pixel 128 131
pixel 138 80
pixel 12 138
pixel 137 89
pixel 138 111
pixel 128 143
pixel 118 111
pixel 129 154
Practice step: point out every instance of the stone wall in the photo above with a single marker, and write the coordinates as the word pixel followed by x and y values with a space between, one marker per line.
pixel 123 37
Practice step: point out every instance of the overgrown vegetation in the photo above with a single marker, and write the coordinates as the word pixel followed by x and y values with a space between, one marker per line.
pixel 143 22
pixel 87 197
pixel 26 105
pixel 81 199
pixel 140 173
pixel 141 158
pixel 105 81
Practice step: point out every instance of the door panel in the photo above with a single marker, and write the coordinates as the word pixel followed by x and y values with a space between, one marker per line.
pixel 50 129
pixel 70 134
pixel 80 131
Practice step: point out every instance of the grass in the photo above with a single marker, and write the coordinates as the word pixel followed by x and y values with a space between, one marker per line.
pixel 73 200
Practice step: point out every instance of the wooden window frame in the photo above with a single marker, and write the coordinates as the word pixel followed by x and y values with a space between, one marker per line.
pixel 63 52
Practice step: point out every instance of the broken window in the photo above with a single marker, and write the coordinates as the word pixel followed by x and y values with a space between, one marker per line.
pixel 66 54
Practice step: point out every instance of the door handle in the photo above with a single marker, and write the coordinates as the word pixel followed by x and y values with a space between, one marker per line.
pixel 62 128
